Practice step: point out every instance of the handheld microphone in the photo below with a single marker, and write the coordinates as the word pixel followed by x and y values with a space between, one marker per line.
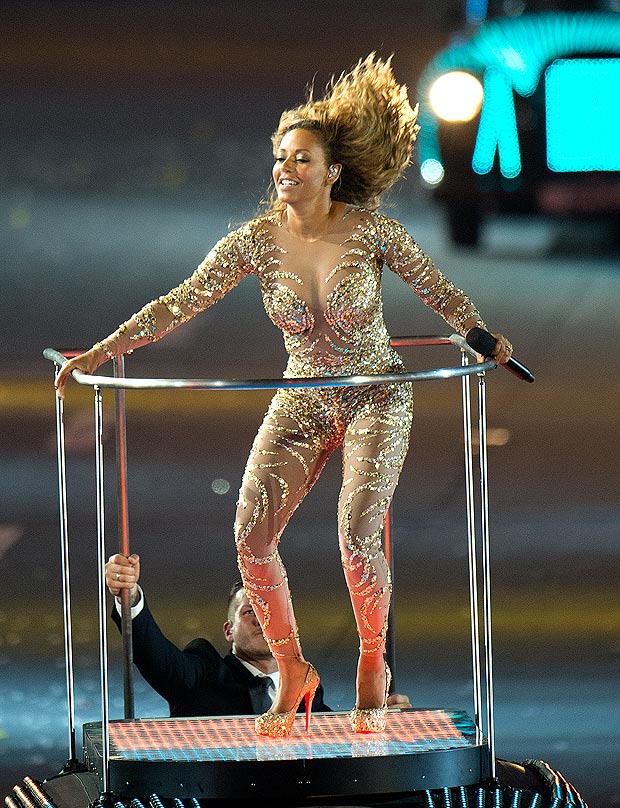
pixel 484 343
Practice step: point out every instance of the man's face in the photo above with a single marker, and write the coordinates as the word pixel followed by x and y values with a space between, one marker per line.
pixel 244 632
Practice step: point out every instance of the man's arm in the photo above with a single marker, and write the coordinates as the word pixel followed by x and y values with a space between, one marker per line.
pixel 169 671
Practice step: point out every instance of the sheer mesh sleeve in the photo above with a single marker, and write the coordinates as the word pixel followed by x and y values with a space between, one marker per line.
pixel 407 259
pixel 220 272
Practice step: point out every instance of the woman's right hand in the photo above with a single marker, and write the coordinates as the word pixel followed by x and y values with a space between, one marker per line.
pixel 87 362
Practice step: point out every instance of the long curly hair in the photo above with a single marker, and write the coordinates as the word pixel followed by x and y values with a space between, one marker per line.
pixel 366 123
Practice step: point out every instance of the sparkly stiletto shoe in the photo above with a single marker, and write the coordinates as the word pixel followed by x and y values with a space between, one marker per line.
pixel 279 725
pixel 373 719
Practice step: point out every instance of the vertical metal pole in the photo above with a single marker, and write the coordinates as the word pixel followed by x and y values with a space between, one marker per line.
pixel 486 567
pixel 472 550
pixel 66 584
pixel 103 647
pixel 390 642
pixel 123 531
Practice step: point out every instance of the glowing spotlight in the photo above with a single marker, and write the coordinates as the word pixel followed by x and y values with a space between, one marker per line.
pixel 432 171
pixel 456 96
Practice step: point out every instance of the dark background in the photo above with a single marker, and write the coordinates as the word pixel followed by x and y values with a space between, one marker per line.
pixel 132 136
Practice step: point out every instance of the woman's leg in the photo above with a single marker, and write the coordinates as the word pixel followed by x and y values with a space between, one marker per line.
pixel 374 449
pixel 288 454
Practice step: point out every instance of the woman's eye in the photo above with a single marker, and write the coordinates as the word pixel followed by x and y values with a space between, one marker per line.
pixel 297 159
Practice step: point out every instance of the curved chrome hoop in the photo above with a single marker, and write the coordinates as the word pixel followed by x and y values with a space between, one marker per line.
pixel 274 384
pixel 120 383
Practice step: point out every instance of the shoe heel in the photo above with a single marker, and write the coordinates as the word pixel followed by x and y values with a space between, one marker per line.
pixel 279 725
pixel 309 697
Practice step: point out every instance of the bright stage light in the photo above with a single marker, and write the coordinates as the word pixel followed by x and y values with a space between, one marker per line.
pixel 432 171
pixel 456 96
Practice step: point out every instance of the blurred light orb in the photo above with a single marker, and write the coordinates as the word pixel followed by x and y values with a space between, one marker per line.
pixel 456 96
pixel 496 436
pixel 19 218
pixel 220 486
pixel 432 171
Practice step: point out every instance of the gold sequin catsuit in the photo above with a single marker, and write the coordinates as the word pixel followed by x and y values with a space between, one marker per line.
pixel 327 303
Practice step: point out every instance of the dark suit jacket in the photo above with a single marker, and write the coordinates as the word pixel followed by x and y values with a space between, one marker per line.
pixel 197 680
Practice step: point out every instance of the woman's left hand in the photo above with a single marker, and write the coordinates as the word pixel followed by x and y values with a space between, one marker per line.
pixel 503 349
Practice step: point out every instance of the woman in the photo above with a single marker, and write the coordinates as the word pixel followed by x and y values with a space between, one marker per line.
pixel 318 253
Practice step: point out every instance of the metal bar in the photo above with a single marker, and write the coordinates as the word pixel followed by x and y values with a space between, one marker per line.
pixel 66 582
pixel 103 647
pixel 435 374
pixel 472 550
pixel 407 342
pixel 123 534
pixel 390 640
pixel 486 568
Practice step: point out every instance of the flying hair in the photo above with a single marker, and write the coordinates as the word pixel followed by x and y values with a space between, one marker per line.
pixel 366 123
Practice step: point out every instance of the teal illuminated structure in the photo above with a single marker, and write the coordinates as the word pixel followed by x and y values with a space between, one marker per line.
pixel 583 115
pixel 511 55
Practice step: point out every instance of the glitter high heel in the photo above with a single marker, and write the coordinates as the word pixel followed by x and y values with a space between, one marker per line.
pixel 373 719
pixel 279 725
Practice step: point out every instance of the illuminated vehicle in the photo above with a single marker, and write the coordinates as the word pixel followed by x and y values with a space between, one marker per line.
pixel 524 116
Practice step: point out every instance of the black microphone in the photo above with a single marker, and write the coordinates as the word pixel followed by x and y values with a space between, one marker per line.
pixel 484 343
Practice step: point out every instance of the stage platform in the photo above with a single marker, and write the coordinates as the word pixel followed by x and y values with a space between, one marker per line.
pixel 222 758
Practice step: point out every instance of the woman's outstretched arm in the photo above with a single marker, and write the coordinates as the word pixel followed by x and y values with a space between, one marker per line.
pixel 220 272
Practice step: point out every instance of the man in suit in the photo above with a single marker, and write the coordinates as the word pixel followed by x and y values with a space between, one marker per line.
pixel 197 680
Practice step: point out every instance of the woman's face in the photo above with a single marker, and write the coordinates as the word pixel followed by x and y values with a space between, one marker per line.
pixel 301 171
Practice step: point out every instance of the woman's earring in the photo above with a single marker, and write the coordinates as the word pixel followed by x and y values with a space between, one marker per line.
pixel 332 171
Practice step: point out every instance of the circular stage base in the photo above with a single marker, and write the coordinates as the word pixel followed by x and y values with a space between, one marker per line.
pixel 224 759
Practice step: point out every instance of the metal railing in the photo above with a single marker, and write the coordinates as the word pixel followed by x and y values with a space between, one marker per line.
pixel 480 605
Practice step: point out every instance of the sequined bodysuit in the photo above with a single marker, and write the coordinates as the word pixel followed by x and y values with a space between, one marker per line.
pixel 325 298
